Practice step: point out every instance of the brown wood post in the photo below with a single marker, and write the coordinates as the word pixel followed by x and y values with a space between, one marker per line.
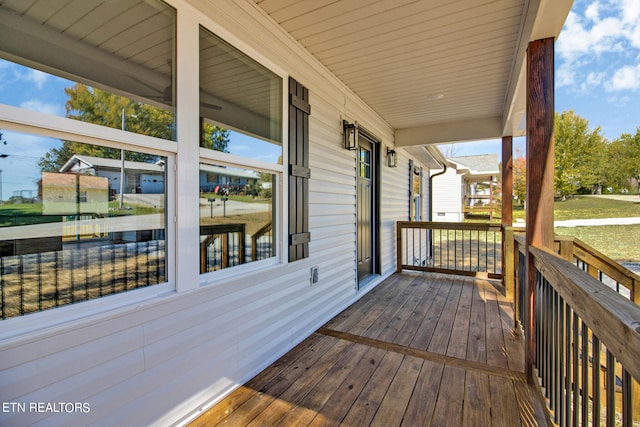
pixel 507 214
pixel 507 180
pixel 508 263
pixel 540 169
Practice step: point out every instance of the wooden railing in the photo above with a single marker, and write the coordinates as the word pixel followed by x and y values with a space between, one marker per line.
pixel 262 243
pixel 51 276
pixel 458 248
pixel 221 246
pixel 586 330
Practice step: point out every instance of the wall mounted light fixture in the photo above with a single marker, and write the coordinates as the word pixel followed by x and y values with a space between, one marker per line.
pixel 392 158
pixel 350 133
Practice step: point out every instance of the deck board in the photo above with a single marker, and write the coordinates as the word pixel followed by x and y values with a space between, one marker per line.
pixel 420 349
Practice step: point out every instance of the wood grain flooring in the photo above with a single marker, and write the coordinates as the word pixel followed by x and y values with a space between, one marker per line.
pixel 420 349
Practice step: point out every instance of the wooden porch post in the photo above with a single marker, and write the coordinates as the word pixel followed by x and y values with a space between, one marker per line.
pixel 507 218
pixel 507 180
pixel 540 169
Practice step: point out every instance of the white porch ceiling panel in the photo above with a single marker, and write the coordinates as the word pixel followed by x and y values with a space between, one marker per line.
pixel 399 56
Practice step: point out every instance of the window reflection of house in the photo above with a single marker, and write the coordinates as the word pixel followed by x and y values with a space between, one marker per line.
pixel 140 177
pixel 72 194
pixel 228 178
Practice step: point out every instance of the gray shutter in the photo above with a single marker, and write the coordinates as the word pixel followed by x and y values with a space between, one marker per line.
pixel 299 172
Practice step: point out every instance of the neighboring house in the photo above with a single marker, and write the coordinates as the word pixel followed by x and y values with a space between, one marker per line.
pixel 146 333
pixel 139 177
pixel 212 177
pixel 466 187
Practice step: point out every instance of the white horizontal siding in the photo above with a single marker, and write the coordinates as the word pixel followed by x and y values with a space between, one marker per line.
pixel 447 193
pixel 158 362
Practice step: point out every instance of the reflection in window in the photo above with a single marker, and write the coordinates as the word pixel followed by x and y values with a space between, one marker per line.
pixel 240 102
pixel 116 57
pixel 236 217
pixel 77 222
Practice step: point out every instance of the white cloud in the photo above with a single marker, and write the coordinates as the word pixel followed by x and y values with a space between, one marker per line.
pixel 579 39
pixel 565 75
pixel 619 101
pixel 593 31
pixel 43 107
pixel 626 78
pixel 36 77
pixel 593 79
pixel 593 11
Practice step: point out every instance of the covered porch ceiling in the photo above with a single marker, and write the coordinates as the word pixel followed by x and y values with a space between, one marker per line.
pixel 438 71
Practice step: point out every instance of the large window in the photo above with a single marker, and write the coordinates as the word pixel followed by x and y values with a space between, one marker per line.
pixel 241 122
pixel 106 62
pixel 77 222
pixel 82 208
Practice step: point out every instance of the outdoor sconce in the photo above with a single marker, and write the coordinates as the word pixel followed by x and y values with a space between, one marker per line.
pixel 392 158
pixel 350 132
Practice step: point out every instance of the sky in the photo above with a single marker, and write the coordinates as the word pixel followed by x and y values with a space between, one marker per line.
pixel 597 61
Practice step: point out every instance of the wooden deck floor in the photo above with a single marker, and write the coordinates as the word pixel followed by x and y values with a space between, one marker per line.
pixel 419 350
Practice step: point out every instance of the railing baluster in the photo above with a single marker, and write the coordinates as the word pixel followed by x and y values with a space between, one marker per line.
pixel 86 273
pixel 554 354
pixel 576 369
pixel 562 372
pixel 3 287
pixel 39 274
pixel 585 374
pixel 611 389
pixel 21 276
pixel 568 398
pixel 595 380
pixel 627 403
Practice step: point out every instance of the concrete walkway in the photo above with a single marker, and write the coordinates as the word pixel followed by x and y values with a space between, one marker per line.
pixel 598 221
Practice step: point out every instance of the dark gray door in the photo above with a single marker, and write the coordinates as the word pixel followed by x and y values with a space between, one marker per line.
pixel 366 213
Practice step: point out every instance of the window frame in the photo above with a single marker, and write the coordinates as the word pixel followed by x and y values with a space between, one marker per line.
pixel 30 122
pixel 209 156
pixel 181 269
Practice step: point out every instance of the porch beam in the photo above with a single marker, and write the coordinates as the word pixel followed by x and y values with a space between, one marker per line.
pixel 450 132
pixel 540 169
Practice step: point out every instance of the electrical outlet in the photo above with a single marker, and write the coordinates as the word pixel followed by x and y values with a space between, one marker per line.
pixel 314 275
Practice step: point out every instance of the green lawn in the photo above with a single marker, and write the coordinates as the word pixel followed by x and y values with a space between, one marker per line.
pixel 619 242
pixel 585 207
pixel 31 213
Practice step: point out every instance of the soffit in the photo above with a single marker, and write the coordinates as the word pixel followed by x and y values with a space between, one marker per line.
pixel 397 55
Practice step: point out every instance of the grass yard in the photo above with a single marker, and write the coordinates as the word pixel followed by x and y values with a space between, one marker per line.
pixel 588 207
pixel 619 242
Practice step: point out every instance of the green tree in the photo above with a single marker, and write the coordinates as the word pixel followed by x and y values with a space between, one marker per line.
pixel 578 155
pixel 624 153
pixel 214 137
pixel 97 106
pixel 520 178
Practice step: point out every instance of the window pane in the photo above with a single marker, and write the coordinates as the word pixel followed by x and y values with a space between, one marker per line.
pixel 237 93
pixel 69 230
pixel 236 217
pixel 113 61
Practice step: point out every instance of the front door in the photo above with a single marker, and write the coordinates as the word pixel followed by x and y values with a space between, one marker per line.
pixel 366 209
